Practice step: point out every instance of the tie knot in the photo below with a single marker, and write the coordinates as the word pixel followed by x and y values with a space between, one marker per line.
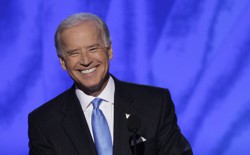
pixel 96 102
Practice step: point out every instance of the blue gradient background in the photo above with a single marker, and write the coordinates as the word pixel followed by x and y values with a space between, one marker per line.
pixel 199 49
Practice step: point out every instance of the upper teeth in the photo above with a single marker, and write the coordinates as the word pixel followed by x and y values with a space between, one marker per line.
pixel 88 70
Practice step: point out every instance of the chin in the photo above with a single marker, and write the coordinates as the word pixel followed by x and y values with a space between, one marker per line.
pixel 89 87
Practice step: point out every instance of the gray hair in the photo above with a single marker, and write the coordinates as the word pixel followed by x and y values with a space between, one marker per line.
pixel 77 19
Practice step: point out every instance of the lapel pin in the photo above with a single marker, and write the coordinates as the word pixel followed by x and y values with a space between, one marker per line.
pixel 127 115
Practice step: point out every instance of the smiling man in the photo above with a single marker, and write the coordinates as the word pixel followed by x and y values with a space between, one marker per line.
pixel 85 55
pixel 100 115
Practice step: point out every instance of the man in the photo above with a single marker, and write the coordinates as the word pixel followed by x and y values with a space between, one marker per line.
pixel 100 114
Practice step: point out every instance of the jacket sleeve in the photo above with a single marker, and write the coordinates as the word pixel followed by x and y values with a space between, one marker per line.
pixel 38 144
pixel 169 137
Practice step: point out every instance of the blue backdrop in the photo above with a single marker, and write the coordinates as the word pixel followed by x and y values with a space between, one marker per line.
pixel 199 49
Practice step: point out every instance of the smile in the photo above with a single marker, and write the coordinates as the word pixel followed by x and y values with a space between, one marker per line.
pixel 88 70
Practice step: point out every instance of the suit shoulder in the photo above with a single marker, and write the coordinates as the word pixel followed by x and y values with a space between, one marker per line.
pixel 144 88
pixel 51 106
pixel 145 91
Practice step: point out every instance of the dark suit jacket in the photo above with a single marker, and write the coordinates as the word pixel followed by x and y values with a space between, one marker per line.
pixel 59 126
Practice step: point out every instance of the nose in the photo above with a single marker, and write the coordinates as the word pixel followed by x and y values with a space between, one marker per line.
pixel 85 59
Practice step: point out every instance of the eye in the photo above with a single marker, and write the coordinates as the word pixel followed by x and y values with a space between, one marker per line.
pixel 93 49
pixel 73 53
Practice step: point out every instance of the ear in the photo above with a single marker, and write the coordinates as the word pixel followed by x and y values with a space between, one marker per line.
pixel 62 62
pixel 110 52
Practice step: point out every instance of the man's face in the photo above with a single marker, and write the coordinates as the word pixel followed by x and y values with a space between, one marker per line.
pixel 85 57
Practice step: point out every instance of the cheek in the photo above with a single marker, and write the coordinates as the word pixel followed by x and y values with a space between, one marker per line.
pixel 70 64
pixel 101 57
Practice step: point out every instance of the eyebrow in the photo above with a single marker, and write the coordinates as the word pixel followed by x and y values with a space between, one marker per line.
pixel 95 45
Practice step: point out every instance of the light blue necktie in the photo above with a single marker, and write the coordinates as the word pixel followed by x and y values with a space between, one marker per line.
pixel 100 129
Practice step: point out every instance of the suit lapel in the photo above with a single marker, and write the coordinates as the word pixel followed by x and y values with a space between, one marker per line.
pixel 122 106
pixel 75 125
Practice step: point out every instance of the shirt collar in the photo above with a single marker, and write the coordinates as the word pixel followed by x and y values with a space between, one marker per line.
pixel 107 94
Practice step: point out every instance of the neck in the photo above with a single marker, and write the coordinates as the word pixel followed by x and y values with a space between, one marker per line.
pixel 95 91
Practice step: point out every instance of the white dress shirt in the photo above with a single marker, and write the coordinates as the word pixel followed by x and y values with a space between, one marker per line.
pixel 107 105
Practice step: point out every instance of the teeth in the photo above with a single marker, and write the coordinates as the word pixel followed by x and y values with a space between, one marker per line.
pixel 88 70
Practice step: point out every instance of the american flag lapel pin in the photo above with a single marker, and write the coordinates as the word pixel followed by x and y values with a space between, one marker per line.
pixel 127 115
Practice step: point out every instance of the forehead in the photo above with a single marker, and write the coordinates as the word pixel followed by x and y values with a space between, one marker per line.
pixel 84 33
